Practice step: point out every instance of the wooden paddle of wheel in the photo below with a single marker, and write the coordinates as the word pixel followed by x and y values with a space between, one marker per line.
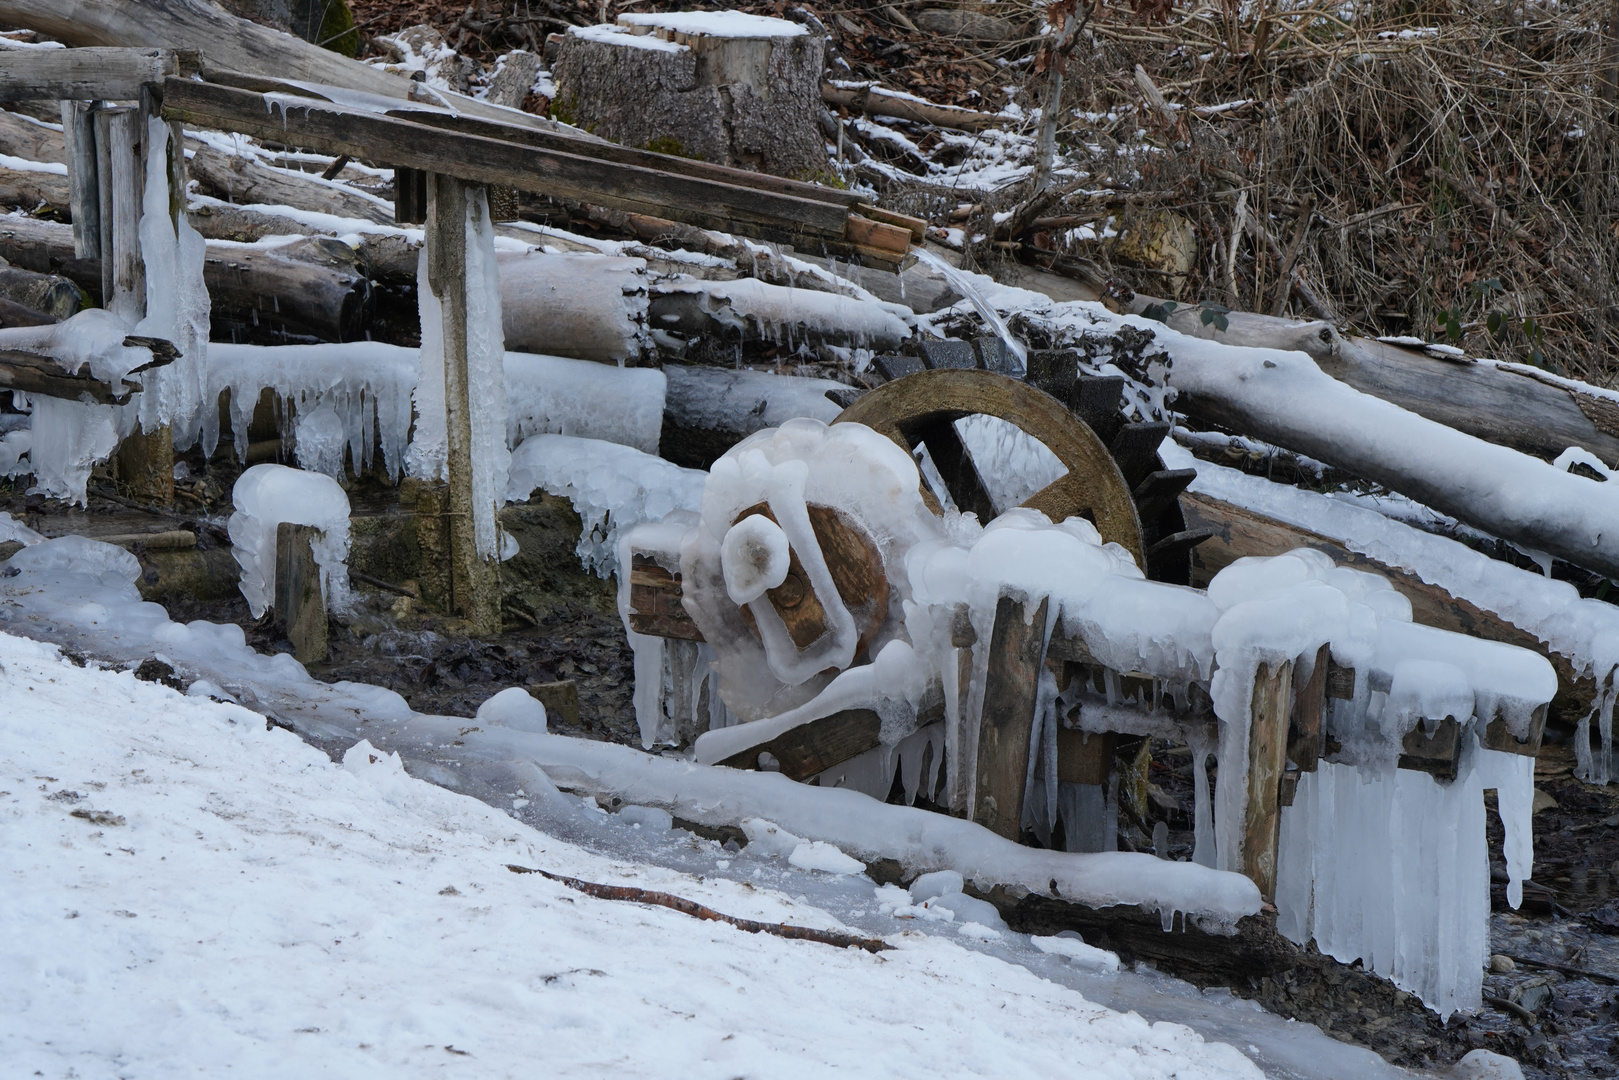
pixel 922 409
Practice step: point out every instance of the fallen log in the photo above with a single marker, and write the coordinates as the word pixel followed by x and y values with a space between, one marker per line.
pixel 234 43
pixel 34 189
pixel 241 179
pixel 35 374
pixel 15 314
pixel 879 102
pixel 709 410
pixel 31 140
pixel 46 295
pixel 312 287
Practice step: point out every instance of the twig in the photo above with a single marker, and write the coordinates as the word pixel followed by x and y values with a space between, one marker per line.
pixel 1512 1008
pixel 386 586
pixel 1564 969
pixel 697 911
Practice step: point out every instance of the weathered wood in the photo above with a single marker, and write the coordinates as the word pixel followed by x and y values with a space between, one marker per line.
pixel 967 489
pixel 655 606
pixel 15 314
pixel 228 42
pixel 481 159
pixel 37 374
pixel 432 527
pixel 876 234
pixel 876 101
pixel 30 189
pixel 242 179
pixel 121 180
pixel 1084 757
pixel 145 465
pixel 474 594
pixel 819 745
pixel 1011 684
pixel 560 698
pixel 1267 758
pixel 300 608
pixel 1497 737
pixel 1437 753
pixel 1240 532
pixel 1307 728
pixel 50 295
pixel 94 74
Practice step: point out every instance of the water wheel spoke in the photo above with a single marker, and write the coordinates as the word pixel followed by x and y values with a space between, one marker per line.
pixel 955 464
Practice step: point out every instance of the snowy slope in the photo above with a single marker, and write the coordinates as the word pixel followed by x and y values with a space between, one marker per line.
pixel 251 906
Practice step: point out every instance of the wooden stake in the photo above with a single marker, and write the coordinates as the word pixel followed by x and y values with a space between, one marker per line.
pixel 121 181
pixel 79 132
pixel 474 594
pixel 300 609
pixel 1016 648
pixel 1267 759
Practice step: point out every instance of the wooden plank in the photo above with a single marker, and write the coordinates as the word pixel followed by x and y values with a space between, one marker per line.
pixel 816 746
pixel 1437 753
pixel 93 74
pixel 875 234
pixel 1011 683
pixel 655 606
pixel 1307 728
pixel 79 140
pixel 730 207
pixel 917 227
pixel 473 592
pixel 1497 737
pixel 1240 532
pixel 300 609
pixel 1267 759
pixel 1084 758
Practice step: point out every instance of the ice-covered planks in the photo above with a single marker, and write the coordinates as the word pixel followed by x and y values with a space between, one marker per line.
pixel 461 393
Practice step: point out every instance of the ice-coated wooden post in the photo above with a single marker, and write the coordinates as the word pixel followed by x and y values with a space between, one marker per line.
pixel 1011 684
pixel 474 594
pixel 1267 758
pixel 300 608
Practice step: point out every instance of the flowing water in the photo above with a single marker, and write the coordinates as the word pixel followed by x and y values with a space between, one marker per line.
pixel 963 284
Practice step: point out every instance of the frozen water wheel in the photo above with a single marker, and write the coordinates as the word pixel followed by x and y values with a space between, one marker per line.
pixel 1119 485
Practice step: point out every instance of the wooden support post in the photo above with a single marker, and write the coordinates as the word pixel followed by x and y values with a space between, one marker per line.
pixel 1307 730
pixel 1016 651
pixel 1267 759
pixel 300 609
pixel 121 183
pixel 433 541
pixel 79 135
pixel 473 592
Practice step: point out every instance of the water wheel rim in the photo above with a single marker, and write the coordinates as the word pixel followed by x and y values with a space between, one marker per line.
pixel 906 409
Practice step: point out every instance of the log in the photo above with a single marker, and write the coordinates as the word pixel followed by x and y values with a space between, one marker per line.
pixel 35 374
pixel 30 139
pixel 812 748
pixel 241 179
pixel 15 314
pixel 590 307
pixel 232 43
pixel 876 101
pixel 31 190
pixel 48 295
pixel 104 74
pixel 313 287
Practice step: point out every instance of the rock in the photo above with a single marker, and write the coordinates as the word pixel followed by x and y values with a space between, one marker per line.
pixel 1486 1065
pixel 1543 801
pixel 1502 964
pixel 953 22
pixel 734 90
pixel 1606 917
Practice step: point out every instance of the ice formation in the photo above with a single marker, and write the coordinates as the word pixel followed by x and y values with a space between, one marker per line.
pixel 267 495
pixel 552 395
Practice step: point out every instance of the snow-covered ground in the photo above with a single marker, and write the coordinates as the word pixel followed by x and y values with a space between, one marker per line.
pixel 186 891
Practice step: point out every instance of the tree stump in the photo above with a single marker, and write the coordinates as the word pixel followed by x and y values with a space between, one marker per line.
pixel 721 87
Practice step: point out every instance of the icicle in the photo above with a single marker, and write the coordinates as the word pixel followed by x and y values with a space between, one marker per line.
pixel 1204 851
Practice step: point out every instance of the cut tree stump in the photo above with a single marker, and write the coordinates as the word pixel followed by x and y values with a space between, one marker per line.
pixel 300 607
pixel 747 101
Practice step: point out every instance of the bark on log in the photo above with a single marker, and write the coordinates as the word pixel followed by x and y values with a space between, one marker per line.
pixel 232 43
pixel 240 179
pixel 29 139
pixel 876 101
pixel 50 296
pixel 312 287
pixel 30 190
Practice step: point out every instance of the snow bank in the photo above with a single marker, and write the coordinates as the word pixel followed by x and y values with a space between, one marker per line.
pixel 247 905
pixel 267 495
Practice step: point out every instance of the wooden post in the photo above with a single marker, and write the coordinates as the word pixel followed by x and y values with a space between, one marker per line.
pixel 300 609
pixel 121 183
pixel 1016 649
pixel 1267 759
pixel 473 591
pixel 433 541
pixel 79 133
pixel 1307 731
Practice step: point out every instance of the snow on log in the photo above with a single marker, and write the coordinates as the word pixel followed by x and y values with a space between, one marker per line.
pixel 877 101
pixel 775 313
pixel 241 178
pixel 588 306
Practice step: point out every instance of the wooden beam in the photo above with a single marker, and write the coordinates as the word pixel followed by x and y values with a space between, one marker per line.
pixel 1016 652
pixel 79 143
pixel 481 159
pixel 474 595
pixel 819 745
pixel 655 606
pixel 1267 758
pixel 300 608
pixel 35 374
pixel 88 74
pixel 1307 728
pixel 121 181
pixel 1436 754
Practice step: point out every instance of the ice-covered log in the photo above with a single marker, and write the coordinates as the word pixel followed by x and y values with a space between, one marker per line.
pixel 588 306
pixel 1287 399
pixel 722 87
pixel 240 178
pixel 230 43
pixel 709 410
pixel 787 316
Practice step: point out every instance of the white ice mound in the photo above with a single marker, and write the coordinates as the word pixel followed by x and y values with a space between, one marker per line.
pixel 267 495
pixel 754 557
pixel 79 555
pixel 513 708
pixel 1071 945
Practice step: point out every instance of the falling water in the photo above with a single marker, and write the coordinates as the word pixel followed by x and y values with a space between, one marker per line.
pixel 963 284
